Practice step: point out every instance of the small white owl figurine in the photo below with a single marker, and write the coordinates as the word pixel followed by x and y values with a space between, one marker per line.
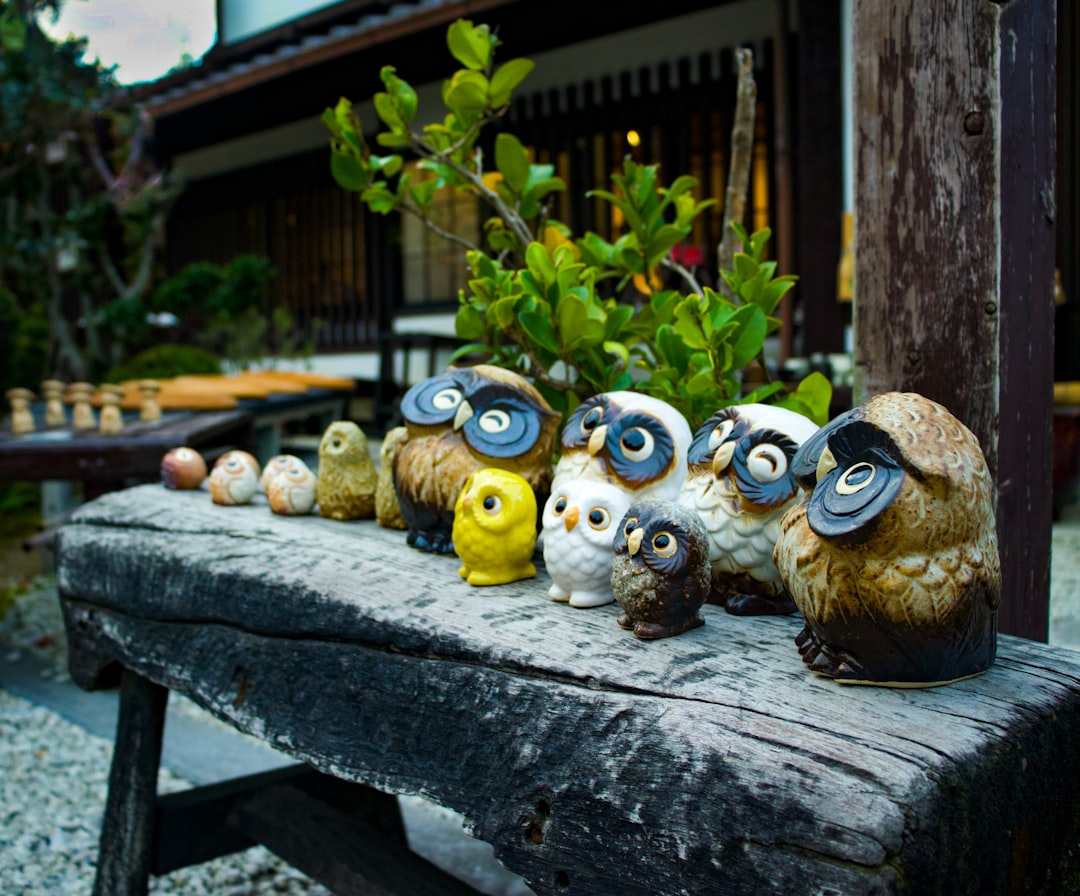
pixel 740 483
pixel 234 479
pixel 580 521
pixel 277 464
pixel 291 491
pixel 633 441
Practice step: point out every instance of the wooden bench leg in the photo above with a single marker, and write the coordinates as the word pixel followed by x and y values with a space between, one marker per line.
pixel 127 835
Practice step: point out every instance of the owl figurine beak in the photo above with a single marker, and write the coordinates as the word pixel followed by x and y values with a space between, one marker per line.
pixel 596 440
pixel 633 541
pixel 571 518
pixel 464 414
pixel 723 457
pixel 826 464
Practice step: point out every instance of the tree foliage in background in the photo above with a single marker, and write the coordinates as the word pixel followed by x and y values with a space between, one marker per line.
pixel 82 207
pixel 577 314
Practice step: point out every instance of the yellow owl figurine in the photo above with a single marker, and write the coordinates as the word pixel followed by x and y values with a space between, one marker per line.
pixel 494 529
pixel 347 476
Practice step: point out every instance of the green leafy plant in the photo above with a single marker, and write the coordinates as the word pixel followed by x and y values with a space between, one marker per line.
pixel 577 314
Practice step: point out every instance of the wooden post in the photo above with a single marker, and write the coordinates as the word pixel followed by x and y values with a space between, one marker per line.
pixel 954 242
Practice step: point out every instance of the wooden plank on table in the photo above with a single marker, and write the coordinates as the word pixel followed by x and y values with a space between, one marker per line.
pixel 953 248
pixel 711 762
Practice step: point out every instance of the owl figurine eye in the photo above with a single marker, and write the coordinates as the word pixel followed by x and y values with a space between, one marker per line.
pixel 599 518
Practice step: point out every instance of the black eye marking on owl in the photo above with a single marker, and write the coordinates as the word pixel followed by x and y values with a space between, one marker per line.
pixel 762 464
pixel 866 479
pixel 599 518
pixel 590 414
pixel 804 466
pixel 723 426
pixel 639 448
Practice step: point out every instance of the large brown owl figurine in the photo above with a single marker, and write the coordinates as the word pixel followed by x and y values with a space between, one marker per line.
pixel 660 572
pixel 457 423
pixel 892 554
pixel 740 483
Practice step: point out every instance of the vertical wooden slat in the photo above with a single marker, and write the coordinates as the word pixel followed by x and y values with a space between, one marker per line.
pixel 953 224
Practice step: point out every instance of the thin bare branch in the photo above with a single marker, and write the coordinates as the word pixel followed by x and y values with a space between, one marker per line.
pixel 672 265
pixel 742 153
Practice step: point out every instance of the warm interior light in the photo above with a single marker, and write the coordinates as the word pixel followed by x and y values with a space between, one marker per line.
pixel 633 138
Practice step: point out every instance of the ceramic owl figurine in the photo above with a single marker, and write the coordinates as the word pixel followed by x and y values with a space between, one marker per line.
pixel 580 521
pixel 387 507
pixel 279 463
pixel 234 479
pixel 632 441
pixel 660 572
pixel 183 468
pixel 465 420
pixel 347 475
pixel 292 490
pixel 740 483
pixel 892 554
pixel 495 528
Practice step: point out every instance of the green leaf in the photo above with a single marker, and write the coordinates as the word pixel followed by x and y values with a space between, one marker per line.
pixel 401 93
pixel 502 311
pixel 512 160
pixel 388 112
pixel 539 263
pixel 579 327
pixel 619 350
pixel 348 171
pixel 672 347
pixel 467 95
pixel 688 323
pixel 540 329
pixel 762 393
pixel 815 393
pixel 701 383
pixel 508 76
pixel 752 327
pixel 471 46
pixel 470 349
pixel 745 266
pixel 469 323
pixel 617 318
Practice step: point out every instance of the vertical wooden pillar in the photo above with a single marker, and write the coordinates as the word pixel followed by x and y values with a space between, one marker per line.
pixel 954 237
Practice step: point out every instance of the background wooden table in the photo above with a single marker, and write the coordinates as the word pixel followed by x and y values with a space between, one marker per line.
pixel 595 763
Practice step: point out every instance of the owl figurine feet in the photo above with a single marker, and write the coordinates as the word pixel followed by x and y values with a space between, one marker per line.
pixel 660 573
pixel 760 605
pixel 891 555
pixel 495 528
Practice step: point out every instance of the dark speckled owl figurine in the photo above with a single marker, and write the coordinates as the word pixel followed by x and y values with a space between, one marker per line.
pixel 457 423
pixel 892 553
pixel 660 574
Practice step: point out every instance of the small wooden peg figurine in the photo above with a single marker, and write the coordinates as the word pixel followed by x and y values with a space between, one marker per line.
pixel 660 574
pixel 150 410
pixel 183 469
pixel 111 420
pixel 82 417
pixel 892 554
pixel 494 529
pixel 22 420
pixel 387 507
pixel 234 479
pixel 53 390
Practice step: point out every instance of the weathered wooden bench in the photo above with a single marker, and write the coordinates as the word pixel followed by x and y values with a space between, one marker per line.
pixel 594 763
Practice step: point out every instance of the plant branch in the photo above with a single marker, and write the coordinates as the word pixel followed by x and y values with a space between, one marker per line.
pixel 742 152
pixel 436 229
pixel 672 265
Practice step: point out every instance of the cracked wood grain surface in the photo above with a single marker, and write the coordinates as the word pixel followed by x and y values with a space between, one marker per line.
pixel 593 762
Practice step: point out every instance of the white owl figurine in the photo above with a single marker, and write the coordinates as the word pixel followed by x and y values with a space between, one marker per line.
pixel 629 440
pixel 580 520
pixel 740 483
pixel 234 479
pixel 277 464
pixel 291 491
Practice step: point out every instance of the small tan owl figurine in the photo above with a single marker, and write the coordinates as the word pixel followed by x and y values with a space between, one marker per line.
pixel 892 554
pixel 495 528
pixel 347 475
pixel 465 420
pixel 740 483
